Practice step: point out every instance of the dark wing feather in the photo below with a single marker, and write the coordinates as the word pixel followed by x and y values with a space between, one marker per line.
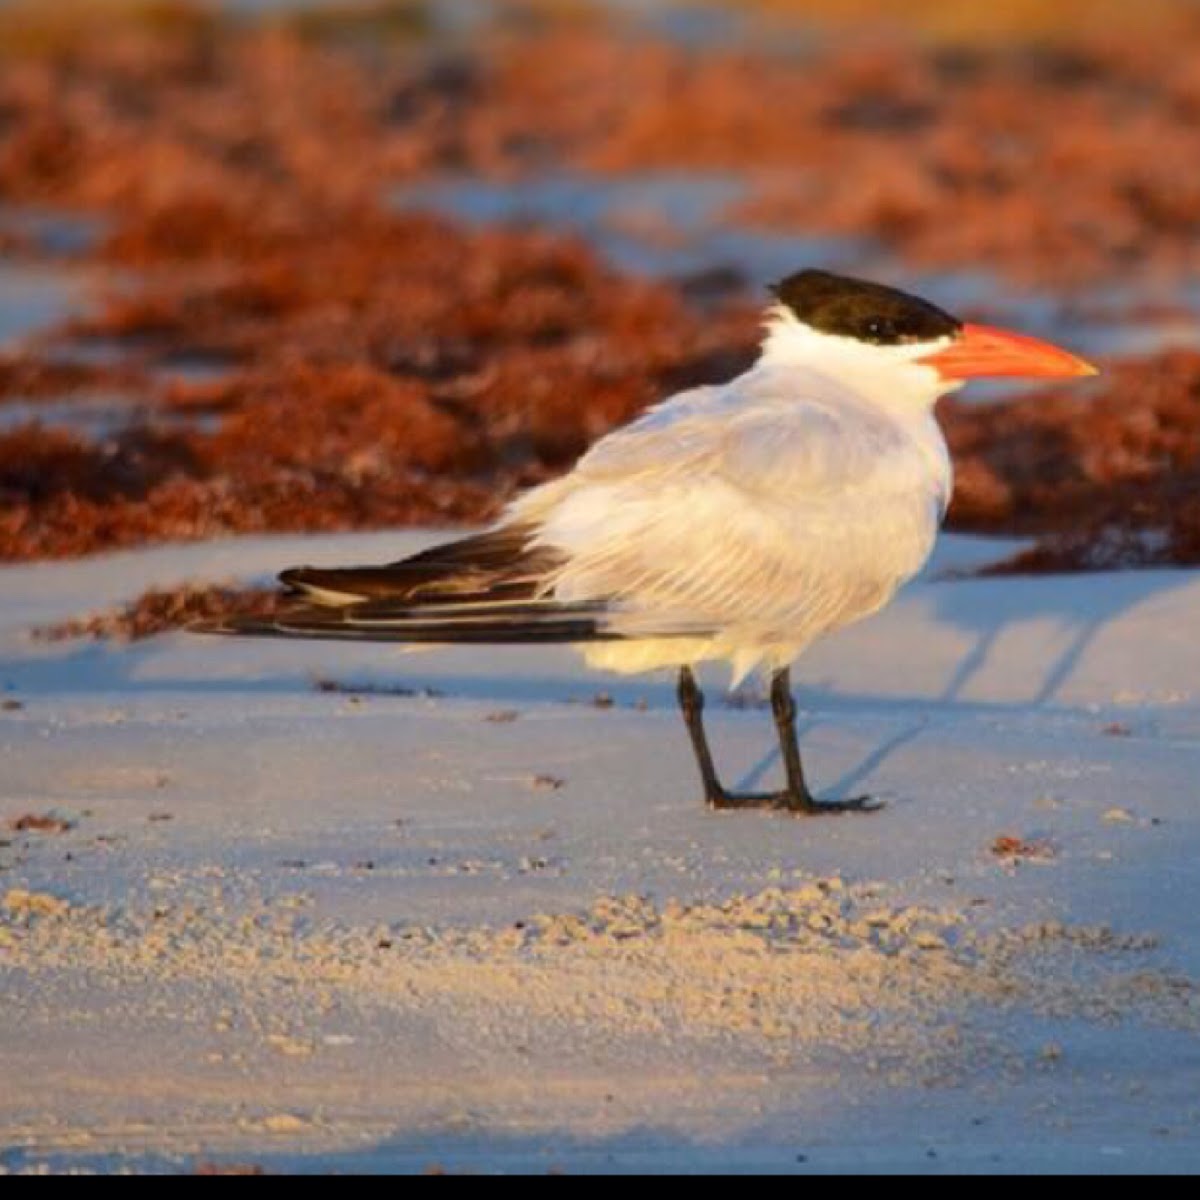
pixel 543 624
pixel 483 589
pixel 499 565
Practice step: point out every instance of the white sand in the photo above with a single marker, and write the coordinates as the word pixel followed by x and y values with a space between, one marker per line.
pixel 316 960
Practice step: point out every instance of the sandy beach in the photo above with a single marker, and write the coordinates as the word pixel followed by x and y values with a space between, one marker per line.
pixel 337 909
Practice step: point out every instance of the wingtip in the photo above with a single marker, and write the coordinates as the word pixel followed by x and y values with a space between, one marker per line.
pixel 294 577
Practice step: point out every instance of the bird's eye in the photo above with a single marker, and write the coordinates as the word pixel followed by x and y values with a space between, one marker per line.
pixel 879 329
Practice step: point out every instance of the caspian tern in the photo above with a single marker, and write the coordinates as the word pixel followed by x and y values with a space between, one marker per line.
pixel 737 522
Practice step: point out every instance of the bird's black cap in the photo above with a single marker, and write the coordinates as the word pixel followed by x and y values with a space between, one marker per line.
pixel 869 312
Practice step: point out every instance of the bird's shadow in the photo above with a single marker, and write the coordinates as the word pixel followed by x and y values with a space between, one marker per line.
pixel 1080 613
pixel 1080 607
pixel 852 781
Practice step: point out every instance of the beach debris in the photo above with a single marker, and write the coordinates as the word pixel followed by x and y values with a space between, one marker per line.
pixel 162 610
pixel 41 823
pixel 335 687
pixel 1011 849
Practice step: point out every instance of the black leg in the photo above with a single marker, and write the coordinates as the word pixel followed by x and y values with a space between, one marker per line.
pixel 796 798
pixel 691 701
pixel 783 708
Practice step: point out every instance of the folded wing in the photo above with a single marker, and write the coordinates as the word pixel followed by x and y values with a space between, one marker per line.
pixel 487 589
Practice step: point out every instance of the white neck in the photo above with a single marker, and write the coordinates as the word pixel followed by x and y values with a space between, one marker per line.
pixel 891 377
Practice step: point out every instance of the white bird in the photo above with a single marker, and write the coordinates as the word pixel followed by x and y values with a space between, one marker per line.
pixel 738 522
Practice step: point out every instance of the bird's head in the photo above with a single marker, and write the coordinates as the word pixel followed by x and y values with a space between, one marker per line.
pixel 894 347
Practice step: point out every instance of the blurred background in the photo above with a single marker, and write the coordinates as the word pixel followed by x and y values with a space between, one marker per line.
pixel 271 265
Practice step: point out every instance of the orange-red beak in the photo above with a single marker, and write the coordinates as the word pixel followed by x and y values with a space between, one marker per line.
pixel 981 352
